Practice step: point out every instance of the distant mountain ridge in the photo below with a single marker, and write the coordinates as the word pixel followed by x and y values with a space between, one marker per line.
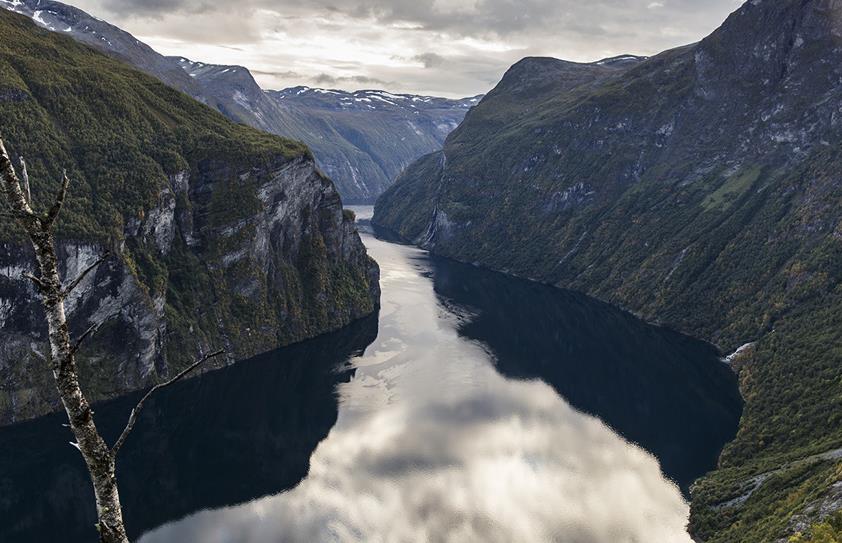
pixel 360 140
pixel 83 27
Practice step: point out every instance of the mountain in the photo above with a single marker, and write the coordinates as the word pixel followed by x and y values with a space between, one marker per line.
pixel 361 140
pixel 220 235
pixel 699 188
pixel 101 35
pixel 366 138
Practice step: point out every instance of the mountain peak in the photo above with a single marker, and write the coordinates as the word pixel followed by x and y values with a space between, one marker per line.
pixel 768 43
pixel 532 76
pixel 103 36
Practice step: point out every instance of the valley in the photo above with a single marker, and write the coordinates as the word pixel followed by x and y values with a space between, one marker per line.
pixel 462 372
pixel 599 302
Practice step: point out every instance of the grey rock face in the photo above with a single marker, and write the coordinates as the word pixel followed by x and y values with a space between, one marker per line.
pixel 111 296
pixel 136 344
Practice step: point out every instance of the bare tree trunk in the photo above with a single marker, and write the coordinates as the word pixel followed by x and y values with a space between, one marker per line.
pixel 97 454
pixel 99 457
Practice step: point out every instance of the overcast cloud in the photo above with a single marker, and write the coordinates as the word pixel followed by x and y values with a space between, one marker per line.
pixel 441 47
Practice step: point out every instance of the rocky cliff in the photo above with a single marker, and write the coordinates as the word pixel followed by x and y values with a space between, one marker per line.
pixel 220 236
pixel 700 188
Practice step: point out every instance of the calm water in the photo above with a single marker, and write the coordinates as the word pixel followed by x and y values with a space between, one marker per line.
pixel 475 407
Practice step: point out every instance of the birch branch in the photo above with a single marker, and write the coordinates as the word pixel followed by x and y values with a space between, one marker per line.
pixel 18 205
pixel 40 285
pixel 52 214
pixel 93 328
pixel 136 411
pixel 75 283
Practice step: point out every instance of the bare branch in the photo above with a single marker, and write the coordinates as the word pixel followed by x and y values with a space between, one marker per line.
pixel 11 186
pixel 52 214
pixel 101 467
pixel 136 411
pixel 67 290
pixel 40 285
pixel 93 328
pixel 25 175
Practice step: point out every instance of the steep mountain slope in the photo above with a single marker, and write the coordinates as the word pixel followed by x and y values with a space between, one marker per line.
pixel 361 140
pixel 101 35
pixel 700 188
pixel 221 235
pixel 367 138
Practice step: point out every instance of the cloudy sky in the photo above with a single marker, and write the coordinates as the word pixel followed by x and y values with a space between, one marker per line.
pixel 440 47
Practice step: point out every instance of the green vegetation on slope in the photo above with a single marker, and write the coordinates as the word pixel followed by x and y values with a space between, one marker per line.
pixel 131 144
pixel 700 188
pixel 118 132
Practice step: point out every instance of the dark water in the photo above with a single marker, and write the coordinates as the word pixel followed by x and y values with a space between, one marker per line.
pixel 475 407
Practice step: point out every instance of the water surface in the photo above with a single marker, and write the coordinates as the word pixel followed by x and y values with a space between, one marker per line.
pixel 474 407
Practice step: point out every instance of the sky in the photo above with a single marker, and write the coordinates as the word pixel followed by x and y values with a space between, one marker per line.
pixel 448 48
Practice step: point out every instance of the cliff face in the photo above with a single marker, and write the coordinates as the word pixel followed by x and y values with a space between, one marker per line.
pixel 220 236
pixel 700 188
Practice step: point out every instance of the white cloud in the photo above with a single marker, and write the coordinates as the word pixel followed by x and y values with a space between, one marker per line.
pixel 362 38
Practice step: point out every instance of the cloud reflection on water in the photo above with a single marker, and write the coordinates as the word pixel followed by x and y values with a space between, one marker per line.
pixel 432 444
pixel 508 463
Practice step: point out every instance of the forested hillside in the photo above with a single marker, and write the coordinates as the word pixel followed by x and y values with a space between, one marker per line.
pixel 700 188
pixel 220 235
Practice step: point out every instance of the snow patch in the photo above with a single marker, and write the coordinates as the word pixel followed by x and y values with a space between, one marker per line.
pixel 39 18
pixel 242 100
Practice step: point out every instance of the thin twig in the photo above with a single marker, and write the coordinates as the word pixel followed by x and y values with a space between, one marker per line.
pixel 38 283
pixel 52 214
pixel 11 186
pixel 93 328
pixel 139 406
pixel 67 290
